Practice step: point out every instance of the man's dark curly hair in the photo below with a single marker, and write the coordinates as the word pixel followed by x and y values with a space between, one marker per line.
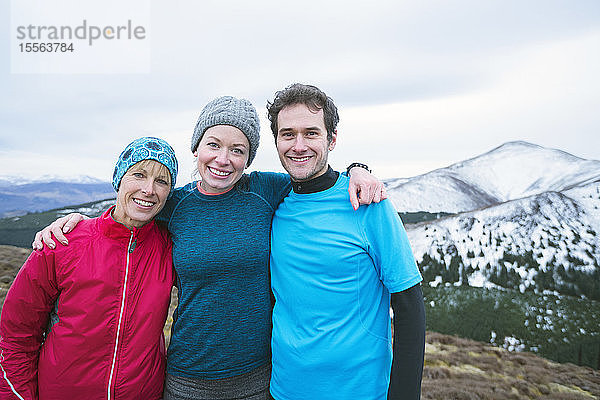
pixel 312 97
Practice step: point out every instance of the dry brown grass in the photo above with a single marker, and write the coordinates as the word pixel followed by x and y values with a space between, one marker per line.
pixel 457 368
pixel 11 259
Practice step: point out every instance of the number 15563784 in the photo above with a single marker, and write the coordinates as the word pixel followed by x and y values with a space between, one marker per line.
pixel 46 47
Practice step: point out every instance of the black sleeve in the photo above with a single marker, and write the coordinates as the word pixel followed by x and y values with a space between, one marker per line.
pixel 409 344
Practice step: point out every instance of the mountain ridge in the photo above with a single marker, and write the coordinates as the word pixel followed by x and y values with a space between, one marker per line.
pixel 507 172
pixel 40 195
pixel 7 180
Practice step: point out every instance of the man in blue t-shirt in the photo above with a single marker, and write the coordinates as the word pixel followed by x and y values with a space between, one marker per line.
pixel 333 272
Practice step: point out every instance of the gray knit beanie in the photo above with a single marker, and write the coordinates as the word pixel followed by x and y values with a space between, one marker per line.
pixel 228 110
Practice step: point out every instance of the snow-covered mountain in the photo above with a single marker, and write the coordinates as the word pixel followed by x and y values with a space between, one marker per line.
pixel 19 195
pixel 544 242
pixel 526 217
pixel 508 172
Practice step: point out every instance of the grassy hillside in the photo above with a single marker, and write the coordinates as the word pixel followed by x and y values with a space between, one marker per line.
pixel 463 369
pixel 11 259
pixel 20 231
pixel 455 368
pixel 562 328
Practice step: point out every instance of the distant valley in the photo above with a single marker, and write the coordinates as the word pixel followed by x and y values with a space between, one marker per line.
pixel 19 196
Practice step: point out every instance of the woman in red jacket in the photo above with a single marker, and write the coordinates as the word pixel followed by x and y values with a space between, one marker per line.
pixel 110 290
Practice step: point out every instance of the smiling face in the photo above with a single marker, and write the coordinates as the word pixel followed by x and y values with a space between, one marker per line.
pixel 143 191
pixel 302 142
pixel 222 156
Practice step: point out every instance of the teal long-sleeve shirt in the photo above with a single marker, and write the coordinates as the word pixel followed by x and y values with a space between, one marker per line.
pixel 222 325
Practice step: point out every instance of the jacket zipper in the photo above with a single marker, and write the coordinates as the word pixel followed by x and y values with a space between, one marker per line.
pixel 130 248
pixel 12 388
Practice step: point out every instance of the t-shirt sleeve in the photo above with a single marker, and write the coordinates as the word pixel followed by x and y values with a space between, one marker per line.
pixel 388 246
pixel 273 186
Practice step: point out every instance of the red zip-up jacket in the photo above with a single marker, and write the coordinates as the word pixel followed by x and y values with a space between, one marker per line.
pixel 112 287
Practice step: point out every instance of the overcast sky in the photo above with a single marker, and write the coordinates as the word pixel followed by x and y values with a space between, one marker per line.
pixel 419 84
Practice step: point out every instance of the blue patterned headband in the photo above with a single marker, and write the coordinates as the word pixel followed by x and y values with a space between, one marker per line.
pixel 146 148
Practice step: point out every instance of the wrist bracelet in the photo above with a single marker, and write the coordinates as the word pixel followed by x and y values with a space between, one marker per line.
pixel 357 164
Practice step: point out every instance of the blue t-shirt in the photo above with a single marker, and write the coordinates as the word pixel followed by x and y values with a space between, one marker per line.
pixel 332 272
pixel 222 325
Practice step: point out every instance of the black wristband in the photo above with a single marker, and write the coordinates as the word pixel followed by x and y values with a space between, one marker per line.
pixel 357 164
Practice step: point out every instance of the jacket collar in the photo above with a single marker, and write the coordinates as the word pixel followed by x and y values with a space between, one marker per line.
pixel 116 230
pixel 318 184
